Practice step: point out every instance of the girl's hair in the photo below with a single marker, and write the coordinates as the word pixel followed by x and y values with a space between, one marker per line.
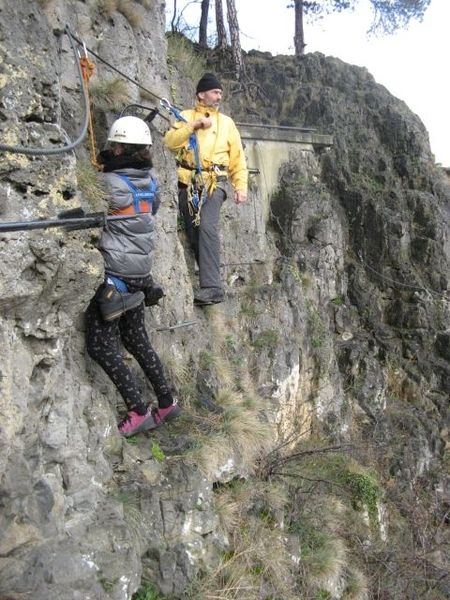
pixel 139 152
pixel 135 155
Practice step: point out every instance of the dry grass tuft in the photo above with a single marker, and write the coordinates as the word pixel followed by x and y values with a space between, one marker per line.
pixel 325 565
pixel 182 56
pixel 90 185
pixel 247 433
pixel 112 94
pixel 132 514
pixel 356 585
pixel 180 374
pixel 127 8
pixel 257 558
pixel 107 7
pixel 228 511
pixel 211 455
pixel 134 17
pixel 237 436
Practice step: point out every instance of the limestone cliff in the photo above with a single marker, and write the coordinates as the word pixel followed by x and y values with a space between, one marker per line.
pixel 311 460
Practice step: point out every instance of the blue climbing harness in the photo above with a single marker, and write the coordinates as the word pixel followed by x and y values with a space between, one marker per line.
pixel 191 146
pixel 119 283
pixel 140 195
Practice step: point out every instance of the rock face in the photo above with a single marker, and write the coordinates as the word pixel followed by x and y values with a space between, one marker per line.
pixel 334 335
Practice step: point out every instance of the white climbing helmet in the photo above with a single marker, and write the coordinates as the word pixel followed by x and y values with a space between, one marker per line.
pixel 130 130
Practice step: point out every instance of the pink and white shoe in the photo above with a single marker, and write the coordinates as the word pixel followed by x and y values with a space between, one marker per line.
pixel 166 414
pixel 134 423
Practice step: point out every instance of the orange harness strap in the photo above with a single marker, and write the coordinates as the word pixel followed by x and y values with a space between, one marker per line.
pixel 129 210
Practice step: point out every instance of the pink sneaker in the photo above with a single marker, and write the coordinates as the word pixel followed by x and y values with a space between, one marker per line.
pixel 166 414
pixel 134 423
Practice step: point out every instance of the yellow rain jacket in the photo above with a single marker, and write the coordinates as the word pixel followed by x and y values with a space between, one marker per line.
pixel 220 148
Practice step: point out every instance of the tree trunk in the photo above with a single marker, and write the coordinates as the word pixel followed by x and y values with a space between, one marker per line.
pixel 236 50
pixel 220 26
pixel 299 36
pixel 174 16
pixel 203 30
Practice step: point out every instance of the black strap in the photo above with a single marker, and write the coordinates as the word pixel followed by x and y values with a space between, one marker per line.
pixel 185 165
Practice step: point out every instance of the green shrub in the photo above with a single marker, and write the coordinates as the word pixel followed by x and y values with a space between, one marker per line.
pixel 147 593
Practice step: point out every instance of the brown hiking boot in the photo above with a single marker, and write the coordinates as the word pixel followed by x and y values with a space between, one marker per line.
pixel 113 303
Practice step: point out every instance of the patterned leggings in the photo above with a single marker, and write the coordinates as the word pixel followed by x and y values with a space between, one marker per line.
pixel 102 343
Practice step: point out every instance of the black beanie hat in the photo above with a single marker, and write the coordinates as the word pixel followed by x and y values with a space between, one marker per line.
pixel 208 82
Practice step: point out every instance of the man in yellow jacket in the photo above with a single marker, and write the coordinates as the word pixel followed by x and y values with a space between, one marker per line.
pixel 209 153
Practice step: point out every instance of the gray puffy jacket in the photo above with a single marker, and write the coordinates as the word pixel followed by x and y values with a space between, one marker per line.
pixel 127 244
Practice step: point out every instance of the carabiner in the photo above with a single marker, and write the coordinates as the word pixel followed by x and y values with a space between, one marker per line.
pixel 85 52
pixel 166 104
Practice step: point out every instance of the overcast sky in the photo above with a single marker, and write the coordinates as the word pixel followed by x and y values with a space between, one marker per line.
pixel 412 64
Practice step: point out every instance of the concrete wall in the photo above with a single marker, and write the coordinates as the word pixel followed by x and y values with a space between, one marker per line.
pixel 268 147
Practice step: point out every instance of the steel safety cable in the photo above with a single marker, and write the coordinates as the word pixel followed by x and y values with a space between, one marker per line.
pixel 400 283
pixel 124 75
pixel 72 145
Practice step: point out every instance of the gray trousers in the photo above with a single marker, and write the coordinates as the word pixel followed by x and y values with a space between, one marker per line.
pixel 204 239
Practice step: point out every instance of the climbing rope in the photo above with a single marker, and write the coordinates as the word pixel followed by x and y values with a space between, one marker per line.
pixel 87 68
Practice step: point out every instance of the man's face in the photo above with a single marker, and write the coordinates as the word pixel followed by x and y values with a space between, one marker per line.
pixel 211 98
